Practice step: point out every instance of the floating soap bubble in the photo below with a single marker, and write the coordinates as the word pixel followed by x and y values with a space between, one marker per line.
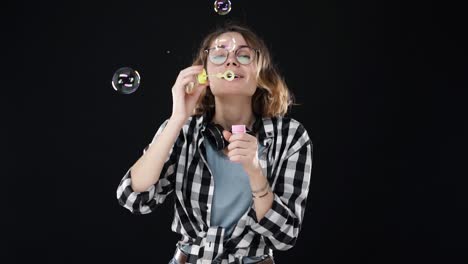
pixel 229 44
pixel 222 7
pixel 126 80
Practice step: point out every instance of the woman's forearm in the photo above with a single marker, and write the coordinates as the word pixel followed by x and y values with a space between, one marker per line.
pixel 146 171
pixel 264 203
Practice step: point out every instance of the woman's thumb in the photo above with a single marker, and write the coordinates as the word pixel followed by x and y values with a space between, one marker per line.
pixel 227 134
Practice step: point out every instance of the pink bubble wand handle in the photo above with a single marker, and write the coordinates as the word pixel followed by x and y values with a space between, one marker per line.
pixel 236 129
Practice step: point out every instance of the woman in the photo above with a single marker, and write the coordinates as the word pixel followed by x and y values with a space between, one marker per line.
pixel 239 203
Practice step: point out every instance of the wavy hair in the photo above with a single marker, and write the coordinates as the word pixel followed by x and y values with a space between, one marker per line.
pixel 272 96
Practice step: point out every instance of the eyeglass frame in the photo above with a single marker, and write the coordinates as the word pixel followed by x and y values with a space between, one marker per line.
pixel 207 51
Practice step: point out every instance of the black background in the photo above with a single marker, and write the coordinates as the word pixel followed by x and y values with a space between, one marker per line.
pixel 382 93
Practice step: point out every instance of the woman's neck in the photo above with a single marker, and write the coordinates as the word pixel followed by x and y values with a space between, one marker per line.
pixel 233 112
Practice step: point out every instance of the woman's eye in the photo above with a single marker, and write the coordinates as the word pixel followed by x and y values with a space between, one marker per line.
pixel 244 59
pixel 218 59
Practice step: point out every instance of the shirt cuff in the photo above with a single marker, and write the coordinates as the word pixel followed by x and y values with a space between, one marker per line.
pixel 274 219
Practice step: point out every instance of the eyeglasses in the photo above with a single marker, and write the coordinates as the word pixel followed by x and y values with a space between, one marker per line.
pixel 244 54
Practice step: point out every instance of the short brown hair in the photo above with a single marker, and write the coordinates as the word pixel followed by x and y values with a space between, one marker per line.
pixel 272 97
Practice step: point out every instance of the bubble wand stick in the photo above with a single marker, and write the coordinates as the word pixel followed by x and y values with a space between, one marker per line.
pixel 203 77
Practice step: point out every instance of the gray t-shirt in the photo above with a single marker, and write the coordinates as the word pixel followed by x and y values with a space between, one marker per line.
pixel 232 194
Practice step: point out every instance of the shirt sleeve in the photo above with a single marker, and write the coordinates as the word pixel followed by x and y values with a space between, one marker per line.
pixel 281 224
pixel 145 202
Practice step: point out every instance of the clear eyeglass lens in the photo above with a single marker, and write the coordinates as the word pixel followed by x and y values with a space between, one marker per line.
pixel 218 56
pixel 244 55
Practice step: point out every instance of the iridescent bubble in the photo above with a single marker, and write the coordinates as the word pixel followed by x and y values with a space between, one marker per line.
pixel 229 44
pixel 126 80
pixel 222 7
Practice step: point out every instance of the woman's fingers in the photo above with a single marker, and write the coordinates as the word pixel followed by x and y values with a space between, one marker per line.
pixel 191 71
pixel 239 151
pixel 187 78
pixel 182 104
pixel 242 137
pixel 239 144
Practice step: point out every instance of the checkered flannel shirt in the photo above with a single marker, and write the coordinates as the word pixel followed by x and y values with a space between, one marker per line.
pixel 286 162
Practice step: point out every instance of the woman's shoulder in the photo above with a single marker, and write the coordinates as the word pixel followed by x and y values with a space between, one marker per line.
pixel 193 124
pixel 288 127
pixel 285 122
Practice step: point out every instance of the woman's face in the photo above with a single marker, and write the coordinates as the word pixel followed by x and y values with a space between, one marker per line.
pixel 245 82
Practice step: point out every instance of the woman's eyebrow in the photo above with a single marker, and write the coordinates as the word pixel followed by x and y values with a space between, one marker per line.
pixel 222 46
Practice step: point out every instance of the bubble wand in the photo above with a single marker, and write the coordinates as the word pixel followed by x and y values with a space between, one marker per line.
pixel 203 77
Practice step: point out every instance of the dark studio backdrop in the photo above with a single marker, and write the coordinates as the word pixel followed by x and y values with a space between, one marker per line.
pixel 380 87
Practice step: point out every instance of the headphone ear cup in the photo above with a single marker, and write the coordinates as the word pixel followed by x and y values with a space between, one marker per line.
pixel 215 136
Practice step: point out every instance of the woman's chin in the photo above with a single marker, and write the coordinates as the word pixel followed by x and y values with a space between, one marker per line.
pixel 231 93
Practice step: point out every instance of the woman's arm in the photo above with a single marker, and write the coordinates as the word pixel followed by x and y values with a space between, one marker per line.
pixel 159 183
pixel 281 221
pixel 146 171
pixel 264 200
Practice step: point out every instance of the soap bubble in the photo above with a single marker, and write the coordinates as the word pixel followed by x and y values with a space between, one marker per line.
pixel 222 7
pixel 126 80
pixel 229 44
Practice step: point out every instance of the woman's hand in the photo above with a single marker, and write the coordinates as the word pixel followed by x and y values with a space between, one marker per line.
pixel 183 103
pixel 243 149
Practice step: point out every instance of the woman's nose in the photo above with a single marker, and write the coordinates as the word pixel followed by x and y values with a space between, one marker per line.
pixel 231 60
pixel 233 63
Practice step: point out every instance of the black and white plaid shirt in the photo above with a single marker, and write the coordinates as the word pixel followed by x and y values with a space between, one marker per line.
pixel 286 162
